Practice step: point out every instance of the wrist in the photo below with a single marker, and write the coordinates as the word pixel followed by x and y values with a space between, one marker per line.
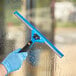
pixel 3 70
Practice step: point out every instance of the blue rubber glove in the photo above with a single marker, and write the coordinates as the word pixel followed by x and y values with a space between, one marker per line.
pixel 14 60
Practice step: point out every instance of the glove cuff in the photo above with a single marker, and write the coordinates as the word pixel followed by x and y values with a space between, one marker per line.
pixel 7 66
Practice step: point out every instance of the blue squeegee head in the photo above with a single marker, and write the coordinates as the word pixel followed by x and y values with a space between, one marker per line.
pixel 36 31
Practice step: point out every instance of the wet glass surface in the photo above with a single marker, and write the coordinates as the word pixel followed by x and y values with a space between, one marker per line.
pixel 41 60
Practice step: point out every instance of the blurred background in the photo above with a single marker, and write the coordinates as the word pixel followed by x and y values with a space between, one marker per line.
pixel 56 19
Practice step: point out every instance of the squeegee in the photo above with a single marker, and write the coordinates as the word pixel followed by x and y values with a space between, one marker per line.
pixel 36 36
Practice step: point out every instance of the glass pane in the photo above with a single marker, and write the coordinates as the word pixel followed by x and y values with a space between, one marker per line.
pixel 41 60
pixel 66 37
pixel 40 16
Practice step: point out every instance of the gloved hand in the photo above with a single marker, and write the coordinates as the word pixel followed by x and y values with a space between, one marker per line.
pixel 14 60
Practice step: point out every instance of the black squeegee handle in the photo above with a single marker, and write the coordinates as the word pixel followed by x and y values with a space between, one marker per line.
pixel 26 47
